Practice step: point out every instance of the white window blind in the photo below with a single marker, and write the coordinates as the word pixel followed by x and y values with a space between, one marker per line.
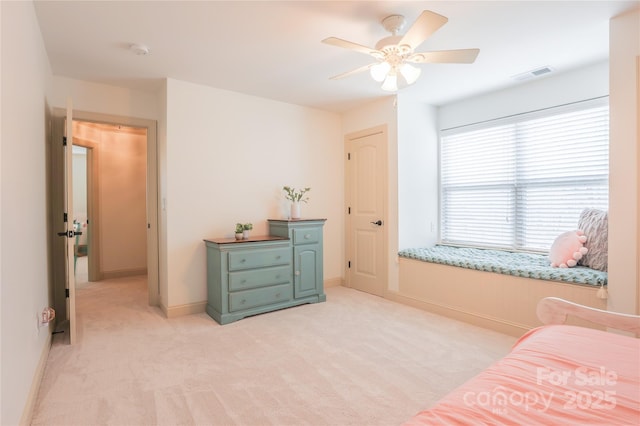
pixel 517 183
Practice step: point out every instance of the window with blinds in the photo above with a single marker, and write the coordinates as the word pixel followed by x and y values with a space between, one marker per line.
pixel 517 183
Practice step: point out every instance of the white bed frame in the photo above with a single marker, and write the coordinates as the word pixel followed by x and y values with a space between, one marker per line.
pixel 553 310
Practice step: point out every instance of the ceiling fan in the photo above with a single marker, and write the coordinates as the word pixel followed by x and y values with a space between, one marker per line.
pixel 395 54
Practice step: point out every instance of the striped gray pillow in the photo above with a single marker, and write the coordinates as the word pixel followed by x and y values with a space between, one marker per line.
pixel 595 225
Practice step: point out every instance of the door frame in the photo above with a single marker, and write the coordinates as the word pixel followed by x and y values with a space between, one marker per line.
pixel 381 129
pixel 56 207
pixel 153 264
pixel 93 210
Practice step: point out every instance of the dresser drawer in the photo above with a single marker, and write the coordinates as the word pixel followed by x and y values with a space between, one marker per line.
pixel 249 259
pixel 243 280
pixel 306 236
pixel 247 299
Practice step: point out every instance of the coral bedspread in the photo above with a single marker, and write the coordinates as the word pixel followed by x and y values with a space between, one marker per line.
pixel 555 374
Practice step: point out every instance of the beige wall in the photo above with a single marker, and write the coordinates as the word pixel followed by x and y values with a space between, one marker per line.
pixel 24 274
pixel 418 163
pixel 104 99
pixel 504 303
pixel 624 184
pixel 122 203
pixel 226 157
pixel 121 161
pixel 586 82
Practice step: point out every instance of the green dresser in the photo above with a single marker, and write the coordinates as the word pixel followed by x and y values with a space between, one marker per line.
pixel 306 239
pixel 264 273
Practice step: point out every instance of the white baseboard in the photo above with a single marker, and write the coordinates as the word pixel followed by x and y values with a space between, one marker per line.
pixel 180 310
pixel 122 273
pixel 27 412
pixel 333 282
pixel 495 324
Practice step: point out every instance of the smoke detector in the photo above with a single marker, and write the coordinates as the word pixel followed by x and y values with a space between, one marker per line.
pixel 140 49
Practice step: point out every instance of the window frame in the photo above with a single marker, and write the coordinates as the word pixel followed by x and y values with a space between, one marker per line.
pixel 519 185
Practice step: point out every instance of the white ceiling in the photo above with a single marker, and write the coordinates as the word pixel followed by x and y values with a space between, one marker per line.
pixel 273 49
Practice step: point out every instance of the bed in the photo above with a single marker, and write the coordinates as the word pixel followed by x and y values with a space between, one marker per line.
pixel 554 374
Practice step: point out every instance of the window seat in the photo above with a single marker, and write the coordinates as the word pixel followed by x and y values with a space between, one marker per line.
pixel 526 265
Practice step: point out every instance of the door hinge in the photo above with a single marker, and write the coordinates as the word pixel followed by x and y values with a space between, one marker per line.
pixel 65 217
pixel 348 156
pixel 66 292
pixel 64 141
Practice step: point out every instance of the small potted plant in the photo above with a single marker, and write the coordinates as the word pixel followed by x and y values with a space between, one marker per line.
pixel 239 231
pixel 296 197
pixel 245 230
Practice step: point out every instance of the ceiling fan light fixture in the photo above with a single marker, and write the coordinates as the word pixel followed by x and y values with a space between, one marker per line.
pixel 410 73
pixel 379 71
pixel 395 55
pixel 390 83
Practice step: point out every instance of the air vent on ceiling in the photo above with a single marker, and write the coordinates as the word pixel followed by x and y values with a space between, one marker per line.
pixel 532 74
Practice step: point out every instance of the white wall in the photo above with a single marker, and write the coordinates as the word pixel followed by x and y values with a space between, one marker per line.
pixel 587 82
pixel 227 157
pixel 377 113
pixel 418 164
pixel 25 287
pixel 104 99
pixel 624 42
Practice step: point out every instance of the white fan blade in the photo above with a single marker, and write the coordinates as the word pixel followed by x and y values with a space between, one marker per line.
pixel 334 41
pixel 427 23
pixel 461 56
pixel 348 73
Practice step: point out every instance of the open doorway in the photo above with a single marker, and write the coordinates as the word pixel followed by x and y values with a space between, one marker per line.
pixel 110 201
pixel 120 183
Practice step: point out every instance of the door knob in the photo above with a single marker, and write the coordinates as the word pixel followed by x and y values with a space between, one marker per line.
pixel 378 222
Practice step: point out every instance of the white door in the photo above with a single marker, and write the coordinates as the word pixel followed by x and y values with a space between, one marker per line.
pixel 366 193
pixel 70 285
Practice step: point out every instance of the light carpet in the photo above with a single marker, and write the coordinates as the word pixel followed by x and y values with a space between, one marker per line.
pixel 356 359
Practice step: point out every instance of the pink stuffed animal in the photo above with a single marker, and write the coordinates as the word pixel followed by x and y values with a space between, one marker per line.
pixel 567 249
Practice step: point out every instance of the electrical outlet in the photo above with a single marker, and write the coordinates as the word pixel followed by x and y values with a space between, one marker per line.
pixel 47 315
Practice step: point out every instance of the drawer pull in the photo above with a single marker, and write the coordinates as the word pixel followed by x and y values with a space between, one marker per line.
pixel 278 277
pixel 297 272
pixel 307 236
pixel 242 302
pixel 243 260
